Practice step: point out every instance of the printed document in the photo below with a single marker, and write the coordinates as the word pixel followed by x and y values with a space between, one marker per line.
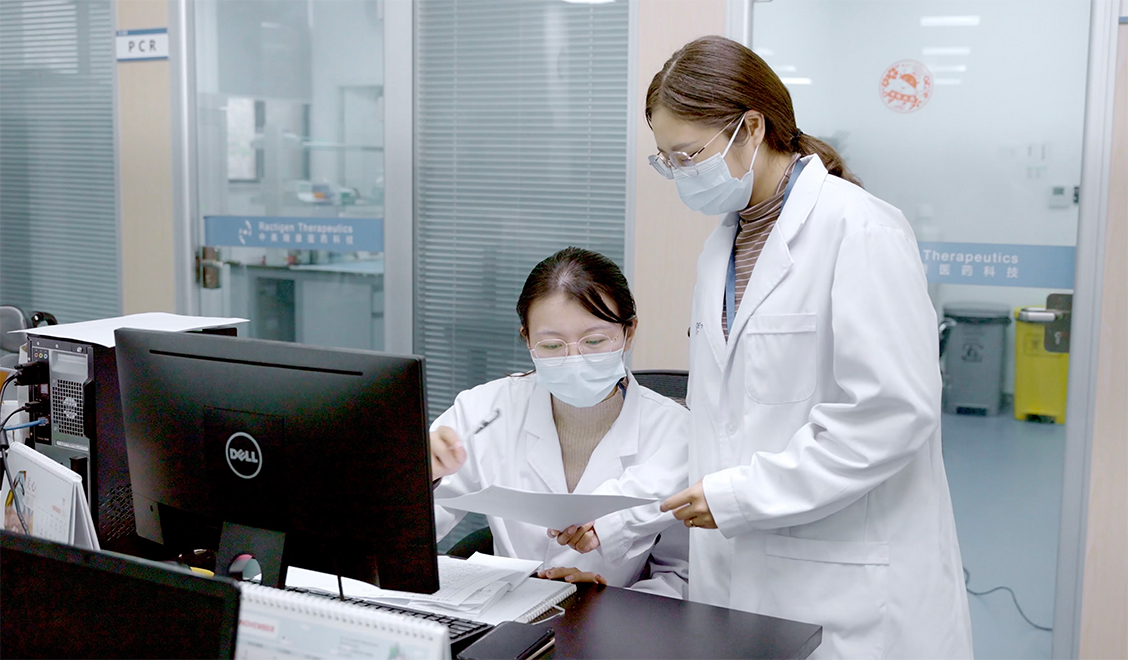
pixel 551 510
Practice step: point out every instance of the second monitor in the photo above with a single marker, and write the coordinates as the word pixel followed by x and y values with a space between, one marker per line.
pixel 304 456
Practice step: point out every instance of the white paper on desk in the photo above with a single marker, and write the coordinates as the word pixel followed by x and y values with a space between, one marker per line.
pixel 458 581
pixel 551 510
pixel 521 568
pixel 101 332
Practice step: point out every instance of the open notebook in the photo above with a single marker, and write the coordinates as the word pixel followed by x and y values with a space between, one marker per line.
pixel 274 623
pixel 50 498
pixel 462 584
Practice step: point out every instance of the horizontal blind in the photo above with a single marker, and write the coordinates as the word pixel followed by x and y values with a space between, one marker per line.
pixel 58 203
pixel 520 139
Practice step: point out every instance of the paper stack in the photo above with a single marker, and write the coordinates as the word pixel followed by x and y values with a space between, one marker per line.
pixel 467 588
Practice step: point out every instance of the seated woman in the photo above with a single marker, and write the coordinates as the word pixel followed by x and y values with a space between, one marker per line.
pixel 579 421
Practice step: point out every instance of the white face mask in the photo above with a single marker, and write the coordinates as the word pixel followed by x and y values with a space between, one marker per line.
pixel 580 381
pixel 714 190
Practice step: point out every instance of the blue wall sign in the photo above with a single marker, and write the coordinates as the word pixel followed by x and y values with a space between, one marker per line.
pixel 333 234
pixel 994 264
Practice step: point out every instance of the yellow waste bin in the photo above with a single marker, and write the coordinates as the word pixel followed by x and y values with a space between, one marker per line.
pixel 1041 378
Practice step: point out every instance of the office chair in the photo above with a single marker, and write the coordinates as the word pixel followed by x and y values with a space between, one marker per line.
pixel 13 318
pixel 669 383
pixel 479 540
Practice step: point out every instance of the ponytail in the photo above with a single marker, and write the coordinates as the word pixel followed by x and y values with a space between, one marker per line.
pixel 806 145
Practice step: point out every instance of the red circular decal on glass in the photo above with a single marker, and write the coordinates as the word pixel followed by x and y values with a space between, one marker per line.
pixel 906 86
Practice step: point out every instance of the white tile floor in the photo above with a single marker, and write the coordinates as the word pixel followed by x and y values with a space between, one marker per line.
pixel 1005 477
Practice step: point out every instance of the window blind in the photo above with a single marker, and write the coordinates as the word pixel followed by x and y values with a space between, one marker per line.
pixel 520 151
pixel 58 204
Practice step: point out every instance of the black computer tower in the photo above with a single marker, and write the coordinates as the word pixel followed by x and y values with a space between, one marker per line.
pixel 85 431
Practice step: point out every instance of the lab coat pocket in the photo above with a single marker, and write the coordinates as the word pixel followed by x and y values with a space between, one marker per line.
pixel 842 586
pixel 780 363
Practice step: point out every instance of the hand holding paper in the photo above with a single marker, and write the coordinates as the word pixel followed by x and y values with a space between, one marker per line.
pixel 551 510
pixel 582 538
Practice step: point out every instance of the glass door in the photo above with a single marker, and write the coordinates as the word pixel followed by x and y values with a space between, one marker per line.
pixel 290 167
pixel 968 116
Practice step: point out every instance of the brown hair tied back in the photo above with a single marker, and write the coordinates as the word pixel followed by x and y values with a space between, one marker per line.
pixel 584 276
pixel 713 79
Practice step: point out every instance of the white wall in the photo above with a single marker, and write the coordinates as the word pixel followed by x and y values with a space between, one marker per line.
pixel 972 157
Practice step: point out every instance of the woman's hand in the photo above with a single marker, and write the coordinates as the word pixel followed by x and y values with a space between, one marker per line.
pixel 690 507
pixel 447 452
pixel 581 538
pixel 571 575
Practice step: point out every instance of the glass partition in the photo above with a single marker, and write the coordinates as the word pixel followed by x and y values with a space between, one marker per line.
pixel 290 174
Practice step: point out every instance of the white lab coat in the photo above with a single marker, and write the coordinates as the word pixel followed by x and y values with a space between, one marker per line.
pixel 816 428
pixel 521 449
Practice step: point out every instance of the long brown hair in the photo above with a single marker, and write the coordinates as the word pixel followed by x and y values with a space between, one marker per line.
pixel 712 80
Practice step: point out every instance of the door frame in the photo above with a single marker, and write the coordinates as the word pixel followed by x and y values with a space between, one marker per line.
pixel 1085 329
pixel 182 81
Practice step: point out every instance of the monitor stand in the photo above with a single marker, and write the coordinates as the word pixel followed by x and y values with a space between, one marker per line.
pixel 264 545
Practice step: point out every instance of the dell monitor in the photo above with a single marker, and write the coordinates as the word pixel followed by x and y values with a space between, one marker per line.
pixel 294 455
pixel 60 601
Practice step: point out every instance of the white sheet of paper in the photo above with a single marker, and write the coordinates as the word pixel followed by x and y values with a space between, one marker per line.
pixel 101 331
pixel 522 568
pixel 551 510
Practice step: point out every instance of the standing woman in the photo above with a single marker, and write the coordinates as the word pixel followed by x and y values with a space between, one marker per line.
pixel 819 487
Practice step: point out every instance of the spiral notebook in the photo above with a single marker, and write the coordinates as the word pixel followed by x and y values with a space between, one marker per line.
pixel 528 602
pixel 274 623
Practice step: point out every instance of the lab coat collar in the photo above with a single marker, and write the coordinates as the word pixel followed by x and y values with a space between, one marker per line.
pixel 771 266
pixel 544 442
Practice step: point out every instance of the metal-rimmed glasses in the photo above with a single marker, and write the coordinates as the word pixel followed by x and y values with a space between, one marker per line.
pixel 666 164
pixel 593 348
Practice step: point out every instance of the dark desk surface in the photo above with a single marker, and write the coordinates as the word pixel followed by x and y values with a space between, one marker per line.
pixel 608 622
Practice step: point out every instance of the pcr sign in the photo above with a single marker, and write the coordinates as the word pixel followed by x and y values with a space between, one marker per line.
pixel 142 45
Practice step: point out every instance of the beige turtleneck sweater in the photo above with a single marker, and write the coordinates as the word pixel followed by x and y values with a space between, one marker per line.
pixel 580 430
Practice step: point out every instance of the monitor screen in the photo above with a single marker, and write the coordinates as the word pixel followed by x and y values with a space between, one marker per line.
pixel 60 601
pixel 257 447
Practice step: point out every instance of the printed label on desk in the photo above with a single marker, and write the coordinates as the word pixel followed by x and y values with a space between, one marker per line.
pixel 333 234
pixel 996 264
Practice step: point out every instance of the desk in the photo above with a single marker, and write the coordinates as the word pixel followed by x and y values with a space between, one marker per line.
pixel 609 622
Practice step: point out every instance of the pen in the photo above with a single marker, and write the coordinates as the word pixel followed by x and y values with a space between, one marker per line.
pixel 486 422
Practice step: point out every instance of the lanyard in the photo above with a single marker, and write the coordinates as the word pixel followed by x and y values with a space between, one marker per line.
pixel 730 282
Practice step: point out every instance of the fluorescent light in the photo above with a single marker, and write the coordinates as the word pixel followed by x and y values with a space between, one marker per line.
pixel 588 2
pixel 786 68
pixel 949 21
pixel 765 52
pixel 949 68
pixel 947 81
pixel 947 50
pixel 270 26
pixel 796 81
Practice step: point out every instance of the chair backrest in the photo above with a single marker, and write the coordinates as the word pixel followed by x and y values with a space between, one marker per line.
pixel 12 318
pixel 667 382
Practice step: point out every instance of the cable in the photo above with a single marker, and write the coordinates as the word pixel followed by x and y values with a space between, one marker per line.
pixel 967 579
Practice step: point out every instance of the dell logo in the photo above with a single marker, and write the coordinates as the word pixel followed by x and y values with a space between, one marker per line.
pixel 244 456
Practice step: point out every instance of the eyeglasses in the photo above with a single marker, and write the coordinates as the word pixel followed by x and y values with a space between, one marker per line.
pixel 665 164
pixel 593 348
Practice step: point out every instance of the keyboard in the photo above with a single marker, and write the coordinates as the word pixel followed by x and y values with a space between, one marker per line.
pixel 462 631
